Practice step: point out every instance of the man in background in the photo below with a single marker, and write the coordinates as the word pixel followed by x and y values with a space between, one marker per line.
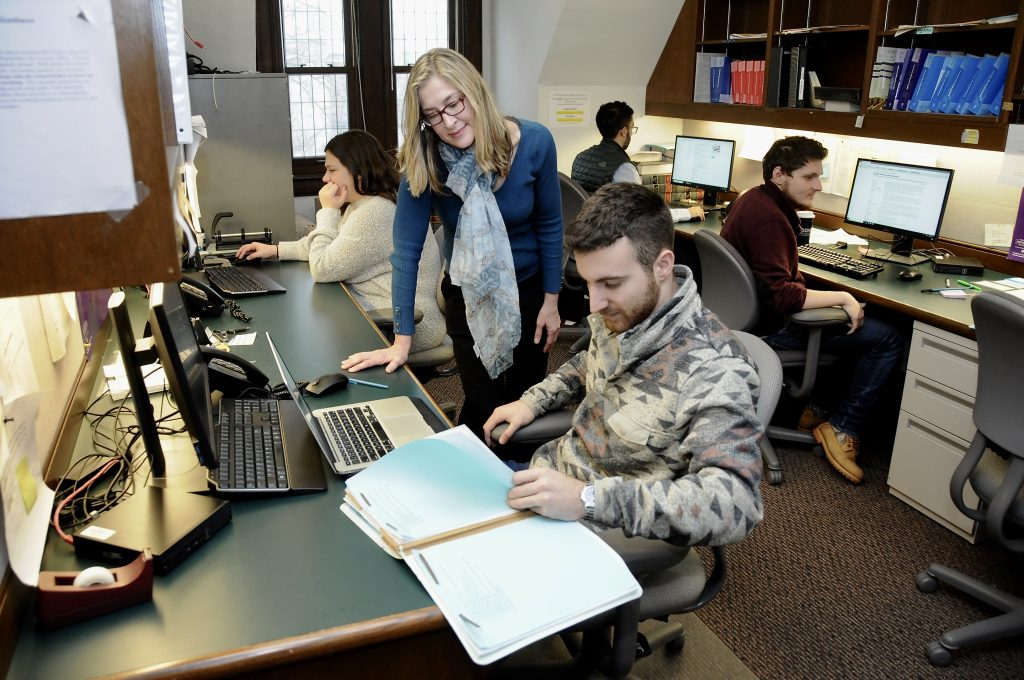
pixel 664 443
pixel 763 226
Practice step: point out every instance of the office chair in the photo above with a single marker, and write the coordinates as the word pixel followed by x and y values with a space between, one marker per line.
pixel 994 464
pixel 425 364
pixel 572 303
pixel 729 289
pixel 673 578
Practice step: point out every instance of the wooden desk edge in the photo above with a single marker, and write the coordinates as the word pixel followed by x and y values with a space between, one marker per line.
pixel 291 650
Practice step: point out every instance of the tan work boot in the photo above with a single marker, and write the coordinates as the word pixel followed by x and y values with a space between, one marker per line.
pixel 841 449
pixel 810 419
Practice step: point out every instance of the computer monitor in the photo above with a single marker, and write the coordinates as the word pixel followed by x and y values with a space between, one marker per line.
pixel 185 366
pixel 703 163
pixel 131 352
pixel 903 199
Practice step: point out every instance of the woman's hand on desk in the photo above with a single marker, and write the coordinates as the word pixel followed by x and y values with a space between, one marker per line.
pixel 393 356
pixel 256 251
pixel 696 212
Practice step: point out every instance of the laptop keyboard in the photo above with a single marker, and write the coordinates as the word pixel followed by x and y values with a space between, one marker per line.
pixel 826 258
pixel 251 450
pixel 234 280
pixel 358 435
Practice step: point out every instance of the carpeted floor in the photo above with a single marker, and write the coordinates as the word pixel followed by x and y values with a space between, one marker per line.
pixel 825 586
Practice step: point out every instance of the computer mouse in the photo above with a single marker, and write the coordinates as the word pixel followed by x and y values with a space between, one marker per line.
pixel 841 245
pixel 909 275
pixel 326 384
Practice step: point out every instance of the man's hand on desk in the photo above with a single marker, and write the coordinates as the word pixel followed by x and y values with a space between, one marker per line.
pixel 696 212
pixel 256 251
pixel 547 492
pixel 393 356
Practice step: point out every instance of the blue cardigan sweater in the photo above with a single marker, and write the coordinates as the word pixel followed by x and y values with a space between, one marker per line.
pixel 530 203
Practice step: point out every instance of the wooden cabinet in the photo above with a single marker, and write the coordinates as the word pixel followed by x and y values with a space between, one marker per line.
pixel 935 426
pixel 841 38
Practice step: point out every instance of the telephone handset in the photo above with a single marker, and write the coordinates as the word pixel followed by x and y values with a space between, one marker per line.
pixel 231 374
pixel 200 299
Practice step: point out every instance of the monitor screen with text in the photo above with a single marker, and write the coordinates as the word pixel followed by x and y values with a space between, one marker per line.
pixel 703 162
pixel 898 197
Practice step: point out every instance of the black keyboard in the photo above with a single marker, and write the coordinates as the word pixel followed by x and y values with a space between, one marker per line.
pixel 826 258
pixel 251 449
pixel 359 436
pixel 234 280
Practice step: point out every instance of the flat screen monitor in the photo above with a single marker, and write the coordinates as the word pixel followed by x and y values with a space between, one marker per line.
pixel 130 352
pixel 703 163
pixel 185 366
pixel 905 200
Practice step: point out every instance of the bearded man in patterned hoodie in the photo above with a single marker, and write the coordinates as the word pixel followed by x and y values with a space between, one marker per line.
pixel 664 442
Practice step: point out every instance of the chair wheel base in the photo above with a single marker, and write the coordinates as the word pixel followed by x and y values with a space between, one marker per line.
pixel 938 655
pixel 675 645
pixel 774 477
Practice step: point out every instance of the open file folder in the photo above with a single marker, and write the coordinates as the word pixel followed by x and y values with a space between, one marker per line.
pixel 502 578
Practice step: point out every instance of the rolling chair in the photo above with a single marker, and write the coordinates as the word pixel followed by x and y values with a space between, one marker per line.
pixel 573 303
pixel 729 289
pixel 673 578
pixel 994 464
pixel 425 364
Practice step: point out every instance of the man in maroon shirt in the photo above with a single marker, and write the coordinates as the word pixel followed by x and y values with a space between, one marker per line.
pixel 763 226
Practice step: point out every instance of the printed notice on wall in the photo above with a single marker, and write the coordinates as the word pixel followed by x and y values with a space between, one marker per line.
pixel 62 121
pixel 570 108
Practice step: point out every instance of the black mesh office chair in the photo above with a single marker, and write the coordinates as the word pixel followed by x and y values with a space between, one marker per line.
pixel 994 464
pixel 729 289
pixel 572 303
pixel 675 580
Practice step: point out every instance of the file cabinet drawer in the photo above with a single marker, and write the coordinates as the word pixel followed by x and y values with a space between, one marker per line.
pixel 945 358
pixel 923 461
pixel 940 405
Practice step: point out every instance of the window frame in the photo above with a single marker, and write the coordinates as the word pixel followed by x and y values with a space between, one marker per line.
pixel 368 65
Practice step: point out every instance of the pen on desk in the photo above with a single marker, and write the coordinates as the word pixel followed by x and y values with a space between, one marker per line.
pixel 936 290
pixel 967 284
pixel 948 284
pixel 367 382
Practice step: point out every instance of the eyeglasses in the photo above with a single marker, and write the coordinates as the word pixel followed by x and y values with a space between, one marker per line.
pixel 633 129
pixel 453 109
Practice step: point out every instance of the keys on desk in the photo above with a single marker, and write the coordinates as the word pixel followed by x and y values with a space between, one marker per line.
pixel 826 258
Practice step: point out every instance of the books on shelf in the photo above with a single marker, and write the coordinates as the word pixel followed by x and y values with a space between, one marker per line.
pixel 886 60
pixel 913 63
pixel 439 504
pixel 702 75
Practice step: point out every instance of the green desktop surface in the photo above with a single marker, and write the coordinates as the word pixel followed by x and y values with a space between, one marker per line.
pixel 290 569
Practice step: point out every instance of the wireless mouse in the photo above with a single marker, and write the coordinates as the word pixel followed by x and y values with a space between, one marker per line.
pixel 909 275
pixel 326 384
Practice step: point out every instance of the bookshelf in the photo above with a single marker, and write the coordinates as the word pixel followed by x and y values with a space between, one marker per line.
pixel 841 39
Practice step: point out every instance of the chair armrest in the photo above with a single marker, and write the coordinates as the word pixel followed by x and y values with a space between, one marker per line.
pixel 643 555
pixel 542 430
pixel 823 316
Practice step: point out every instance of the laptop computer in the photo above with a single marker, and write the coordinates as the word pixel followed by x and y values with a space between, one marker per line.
pixel 232 281
pixel 354 435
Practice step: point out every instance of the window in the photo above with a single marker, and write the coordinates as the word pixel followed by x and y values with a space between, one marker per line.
pixel 348 64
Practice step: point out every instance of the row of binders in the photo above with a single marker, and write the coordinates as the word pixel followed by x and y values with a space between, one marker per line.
pixel 929 81
pixel 721 80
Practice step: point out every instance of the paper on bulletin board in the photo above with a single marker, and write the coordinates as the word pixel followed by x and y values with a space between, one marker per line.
pixel 26 500
pixel 570 107
pixel 845 161
pixel 1012 172
pixel 63 127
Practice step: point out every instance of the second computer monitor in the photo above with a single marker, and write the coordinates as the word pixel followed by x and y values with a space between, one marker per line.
pixel 703 163
pixel 903 199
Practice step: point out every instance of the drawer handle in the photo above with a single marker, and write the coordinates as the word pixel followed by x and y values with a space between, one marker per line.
pixel 952 350
pixel 935 435
pixel 943 393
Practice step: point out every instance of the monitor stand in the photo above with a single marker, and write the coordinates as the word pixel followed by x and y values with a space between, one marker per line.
pixel 901 252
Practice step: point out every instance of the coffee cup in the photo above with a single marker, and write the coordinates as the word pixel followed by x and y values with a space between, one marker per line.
pixel 806 218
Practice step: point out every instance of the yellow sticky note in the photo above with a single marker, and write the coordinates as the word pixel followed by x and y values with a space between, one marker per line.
pixel 27 484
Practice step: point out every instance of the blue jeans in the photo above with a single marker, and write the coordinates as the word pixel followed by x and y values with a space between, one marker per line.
pixel 874 350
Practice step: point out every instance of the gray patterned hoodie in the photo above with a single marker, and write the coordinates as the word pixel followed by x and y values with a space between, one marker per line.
pixel 666 430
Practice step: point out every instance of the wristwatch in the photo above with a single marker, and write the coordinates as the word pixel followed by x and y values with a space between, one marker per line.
pixel 587 497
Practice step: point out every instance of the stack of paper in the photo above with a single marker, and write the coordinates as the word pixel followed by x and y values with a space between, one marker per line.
pixel 503 578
